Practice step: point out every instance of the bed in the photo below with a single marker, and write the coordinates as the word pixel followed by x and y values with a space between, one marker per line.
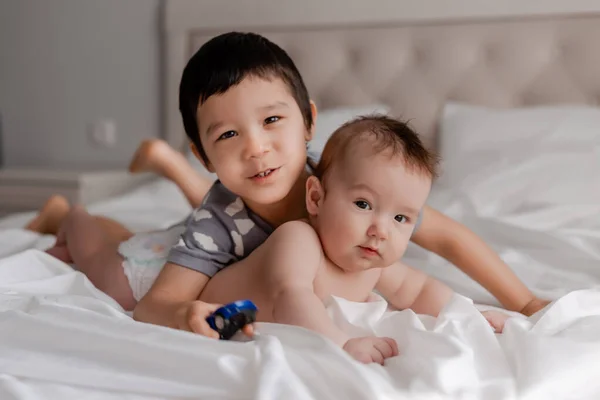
pixel 506 92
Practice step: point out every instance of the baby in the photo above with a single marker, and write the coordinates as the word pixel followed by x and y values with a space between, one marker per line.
pixel 363 202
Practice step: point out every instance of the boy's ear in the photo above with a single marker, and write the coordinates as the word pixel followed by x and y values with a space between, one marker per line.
pixel 314 195
pixel 206 165
pixel 311 132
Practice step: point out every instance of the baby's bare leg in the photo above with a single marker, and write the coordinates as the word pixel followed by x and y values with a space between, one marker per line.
pixel 157 156
pixel 95 254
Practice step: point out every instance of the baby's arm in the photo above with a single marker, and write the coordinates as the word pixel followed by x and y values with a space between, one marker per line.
pixel 293 262
pixel 293 266
pixel 459 245
pixel 405 287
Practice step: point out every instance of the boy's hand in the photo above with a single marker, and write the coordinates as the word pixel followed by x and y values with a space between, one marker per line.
pixel 534 306
pixel 192 316
pixel 371 349
pixel 496 319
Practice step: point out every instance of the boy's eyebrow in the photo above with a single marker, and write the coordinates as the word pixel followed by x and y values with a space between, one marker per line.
pixel 213 126
pixel 277 104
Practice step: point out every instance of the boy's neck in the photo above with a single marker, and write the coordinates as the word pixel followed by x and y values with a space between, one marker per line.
pixel 290 208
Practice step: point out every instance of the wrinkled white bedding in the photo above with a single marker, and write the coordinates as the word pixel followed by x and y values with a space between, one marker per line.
pixel 60 338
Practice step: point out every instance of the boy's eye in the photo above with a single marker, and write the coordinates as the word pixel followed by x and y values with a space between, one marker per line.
pixel 401 218
pixel 363 205
pixel 272 119
pixel 227 135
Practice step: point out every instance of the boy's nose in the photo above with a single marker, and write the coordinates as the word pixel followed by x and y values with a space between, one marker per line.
pixel 256 146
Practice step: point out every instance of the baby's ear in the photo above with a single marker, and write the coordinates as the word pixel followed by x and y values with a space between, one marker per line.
pixel 314 195
pixel 197 154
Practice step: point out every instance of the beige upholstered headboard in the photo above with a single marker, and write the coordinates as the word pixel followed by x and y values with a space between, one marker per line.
pixel 413 55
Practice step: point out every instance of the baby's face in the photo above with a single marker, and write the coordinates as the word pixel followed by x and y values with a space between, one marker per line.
pixel 369 211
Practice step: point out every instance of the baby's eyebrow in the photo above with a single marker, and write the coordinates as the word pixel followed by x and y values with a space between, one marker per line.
pixel 409 210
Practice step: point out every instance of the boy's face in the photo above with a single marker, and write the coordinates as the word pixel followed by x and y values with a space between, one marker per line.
pixel 369 209
pixel 255 138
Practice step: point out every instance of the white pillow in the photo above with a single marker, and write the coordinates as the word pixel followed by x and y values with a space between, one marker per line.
pixel 472 137
pixel 329 120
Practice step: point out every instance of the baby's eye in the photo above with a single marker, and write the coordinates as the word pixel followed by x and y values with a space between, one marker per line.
pixel 272 119
pixel 363 205
pixel 227 135
pixel 401 218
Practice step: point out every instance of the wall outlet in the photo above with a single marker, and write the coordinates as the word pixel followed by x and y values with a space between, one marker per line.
pixel 103 132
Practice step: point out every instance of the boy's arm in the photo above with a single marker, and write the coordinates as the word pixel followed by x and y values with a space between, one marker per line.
pixel 171 301
pixel 293 264
pixel 462 247
pixel 405 287
pixel 204 248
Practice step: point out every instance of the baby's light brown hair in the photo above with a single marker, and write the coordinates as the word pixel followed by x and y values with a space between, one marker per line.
pixel 384 134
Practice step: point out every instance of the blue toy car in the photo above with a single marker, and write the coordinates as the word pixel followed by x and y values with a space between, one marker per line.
pixel 232 317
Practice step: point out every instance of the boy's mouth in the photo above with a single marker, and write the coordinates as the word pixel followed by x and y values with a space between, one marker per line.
pixel 264 174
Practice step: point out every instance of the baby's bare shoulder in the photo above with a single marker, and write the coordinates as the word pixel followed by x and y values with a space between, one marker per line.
pixel 299 240
pixel 300 230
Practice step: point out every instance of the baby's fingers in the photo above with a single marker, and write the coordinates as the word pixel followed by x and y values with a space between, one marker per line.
pixel 387 347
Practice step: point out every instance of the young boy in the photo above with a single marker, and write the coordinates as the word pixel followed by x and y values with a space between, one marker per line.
pixel 248 116
pixel 358 229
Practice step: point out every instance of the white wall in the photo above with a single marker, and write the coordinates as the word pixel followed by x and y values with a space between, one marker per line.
pixel 67 63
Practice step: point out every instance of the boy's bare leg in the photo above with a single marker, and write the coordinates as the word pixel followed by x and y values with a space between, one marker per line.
pixel 159 157
pixel 55 210
pixel 50 216
pixel 95 254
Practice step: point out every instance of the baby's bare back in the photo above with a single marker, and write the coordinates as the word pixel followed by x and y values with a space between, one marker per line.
pixel 252 278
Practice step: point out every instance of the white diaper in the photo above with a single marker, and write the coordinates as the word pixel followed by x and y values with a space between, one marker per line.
pixel 145 255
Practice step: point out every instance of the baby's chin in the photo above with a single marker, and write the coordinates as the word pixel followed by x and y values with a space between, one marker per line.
pixel 357 265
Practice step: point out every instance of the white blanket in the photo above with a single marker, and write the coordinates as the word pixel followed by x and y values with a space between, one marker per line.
pixel 61 338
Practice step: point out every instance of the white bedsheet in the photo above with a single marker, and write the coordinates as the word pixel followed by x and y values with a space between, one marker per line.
pixel 60 338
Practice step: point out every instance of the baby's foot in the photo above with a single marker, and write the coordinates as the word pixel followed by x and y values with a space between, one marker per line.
pixel 151 156
pixel 50 216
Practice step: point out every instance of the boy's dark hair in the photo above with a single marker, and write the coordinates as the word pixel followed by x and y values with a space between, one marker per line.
pixel 223 62
pixel 388 134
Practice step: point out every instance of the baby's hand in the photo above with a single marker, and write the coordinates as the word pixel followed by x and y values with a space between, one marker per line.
pixel 496 319
pixel 371 349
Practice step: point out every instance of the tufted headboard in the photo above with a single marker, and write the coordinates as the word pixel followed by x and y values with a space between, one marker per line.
pixel 412 55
